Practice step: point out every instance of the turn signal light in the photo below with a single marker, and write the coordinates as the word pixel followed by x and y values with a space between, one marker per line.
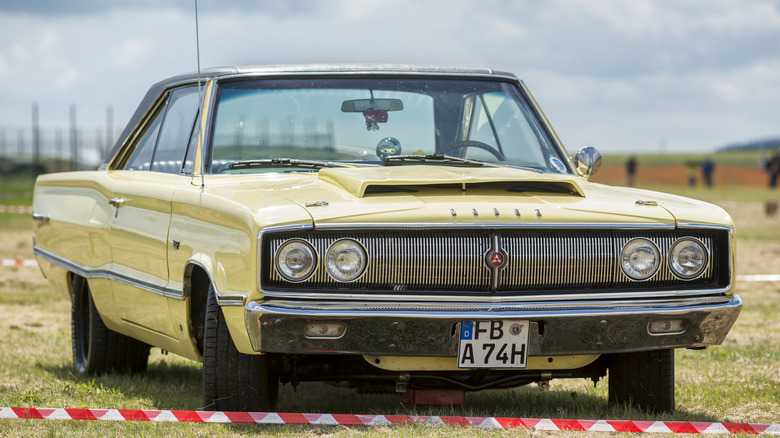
pixel 325 330
pixel 667 327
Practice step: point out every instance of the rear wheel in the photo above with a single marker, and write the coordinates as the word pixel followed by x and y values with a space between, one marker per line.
pixel 233 381
pixel 97 349
pixel 644 380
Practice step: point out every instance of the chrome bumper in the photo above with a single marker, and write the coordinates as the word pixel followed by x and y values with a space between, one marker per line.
pixel 423 329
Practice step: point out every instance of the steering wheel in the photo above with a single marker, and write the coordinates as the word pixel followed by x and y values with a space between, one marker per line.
pixel 447 150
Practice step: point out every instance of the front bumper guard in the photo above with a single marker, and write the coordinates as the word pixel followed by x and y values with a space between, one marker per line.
pixel 425 330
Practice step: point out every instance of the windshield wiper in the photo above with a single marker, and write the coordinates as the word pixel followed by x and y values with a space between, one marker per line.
pixel 396 160
pixel 285 162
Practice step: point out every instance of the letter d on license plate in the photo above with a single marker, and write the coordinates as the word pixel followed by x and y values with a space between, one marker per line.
pixel 493 344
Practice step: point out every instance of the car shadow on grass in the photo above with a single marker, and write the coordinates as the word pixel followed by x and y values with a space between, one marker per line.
pixel 524 402
pixel 178 386
pixel 163 386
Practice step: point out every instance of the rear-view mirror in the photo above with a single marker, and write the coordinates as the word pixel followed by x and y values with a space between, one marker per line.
pixel 361 105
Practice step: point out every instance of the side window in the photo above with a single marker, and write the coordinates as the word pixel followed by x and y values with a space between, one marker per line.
pixel 142 155
pixel 176 131
pixel 164 144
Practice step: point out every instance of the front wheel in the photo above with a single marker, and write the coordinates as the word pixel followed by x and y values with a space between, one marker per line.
pixel 96 348
pixel 233 381
pixel 644 380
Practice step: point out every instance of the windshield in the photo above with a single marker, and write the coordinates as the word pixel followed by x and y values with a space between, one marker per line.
pixel 272 125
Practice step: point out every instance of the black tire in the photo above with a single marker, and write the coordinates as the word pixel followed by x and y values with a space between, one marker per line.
pixel 233 381
pixel 644 380
pixel 97 349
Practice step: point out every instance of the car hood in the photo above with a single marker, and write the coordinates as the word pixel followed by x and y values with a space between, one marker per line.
pixel 459 196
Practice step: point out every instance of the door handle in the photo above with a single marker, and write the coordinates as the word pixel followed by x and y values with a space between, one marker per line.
pixel 117 202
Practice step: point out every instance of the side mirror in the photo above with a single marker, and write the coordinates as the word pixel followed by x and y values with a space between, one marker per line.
pixel 587 161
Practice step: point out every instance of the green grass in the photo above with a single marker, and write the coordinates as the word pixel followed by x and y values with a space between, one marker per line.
pixel 15 222
pixel 738 381
pixel 16 191
pixel 735 382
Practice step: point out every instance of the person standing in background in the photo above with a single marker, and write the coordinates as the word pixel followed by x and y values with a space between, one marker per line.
pixel 707 169
pixel 773 169
pixel 631 165
pixel 691 167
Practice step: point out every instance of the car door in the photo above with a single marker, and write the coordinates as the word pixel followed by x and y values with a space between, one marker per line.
pixel 141 197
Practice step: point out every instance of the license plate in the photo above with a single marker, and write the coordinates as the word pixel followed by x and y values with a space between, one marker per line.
pixel 493 344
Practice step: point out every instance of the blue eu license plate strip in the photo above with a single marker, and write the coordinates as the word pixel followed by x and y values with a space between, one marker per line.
pixel 493 344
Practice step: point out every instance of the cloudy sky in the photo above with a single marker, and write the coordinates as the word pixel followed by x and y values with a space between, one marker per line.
pixel 623 75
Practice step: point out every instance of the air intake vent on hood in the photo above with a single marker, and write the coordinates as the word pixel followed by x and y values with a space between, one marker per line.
pixel 368 181
pixel 564 188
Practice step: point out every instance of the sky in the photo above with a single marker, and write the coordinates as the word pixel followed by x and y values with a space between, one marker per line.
pixel 638 76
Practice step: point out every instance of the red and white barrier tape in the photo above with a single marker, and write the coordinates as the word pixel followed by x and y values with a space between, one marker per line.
pixel 389 420
pixel 18 209
pixel 13 262
pixel 764 277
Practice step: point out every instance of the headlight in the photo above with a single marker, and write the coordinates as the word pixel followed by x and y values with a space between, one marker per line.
pixel 296 260
pixel 640 258
pixel 345 260
pixel 688 258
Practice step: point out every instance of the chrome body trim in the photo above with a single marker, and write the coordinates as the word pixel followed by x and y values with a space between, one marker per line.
pixel 393 328
pixel 107 273
pixel 205 136
pixel 230 300
pixel 222 300
pixel 688 225
pixel 494 299
pixel 450 308
pixel 335 73
pixel 517 225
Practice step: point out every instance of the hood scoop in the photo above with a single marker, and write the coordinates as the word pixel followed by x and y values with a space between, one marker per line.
pixel 365 182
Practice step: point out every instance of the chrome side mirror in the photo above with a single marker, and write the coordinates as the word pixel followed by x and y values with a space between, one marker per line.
pixel 587 161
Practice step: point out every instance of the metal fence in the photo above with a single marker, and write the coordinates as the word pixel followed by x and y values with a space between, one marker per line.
pixel 52 149
pixel 36 149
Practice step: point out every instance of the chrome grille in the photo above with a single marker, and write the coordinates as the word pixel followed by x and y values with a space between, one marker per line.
pixel 453 261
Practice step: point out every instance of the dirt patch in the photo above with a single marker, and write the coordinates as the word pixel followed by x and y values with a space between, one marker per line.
pixel 41 321
pixel 756 258
pixel 16 245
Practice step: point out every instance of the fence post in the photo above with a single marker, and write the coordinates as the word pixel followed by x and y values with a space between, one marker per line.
pixel 59 156
pixel 20 146
pixel 36 140
pixel 74 148
pixel 109 131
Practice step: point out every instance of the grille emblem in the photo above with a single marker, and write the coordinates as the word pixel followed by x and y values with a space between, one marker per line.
pixel 497 259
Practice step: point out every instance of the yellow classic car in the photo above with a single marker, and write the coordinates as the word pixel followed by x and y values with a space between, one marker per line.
pixel 392 228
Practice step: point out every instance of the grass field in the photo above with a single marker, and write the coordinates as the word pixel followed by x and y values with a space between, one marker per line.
pixel 738 381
